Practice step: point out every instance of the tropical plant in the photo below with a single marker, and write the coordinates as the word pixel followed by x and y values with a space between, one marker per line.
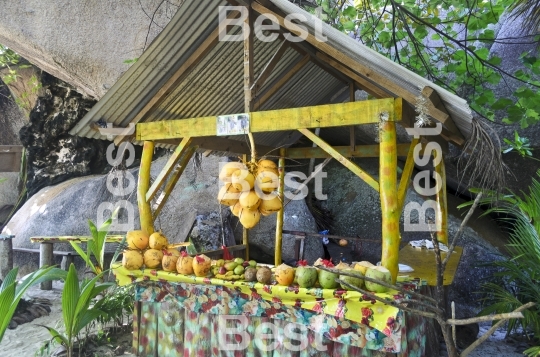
pixel 12 292
pixel 95 247
pixel 76 311
pixel 517 280
pixel 116 304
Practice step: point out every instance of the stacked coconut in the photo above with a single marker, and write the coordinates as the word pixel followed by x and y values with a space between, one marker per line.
pixel 249 190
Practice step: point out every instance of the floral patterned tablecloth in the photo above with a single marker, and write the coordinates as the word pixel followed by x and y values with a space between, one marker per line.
pixel 341 316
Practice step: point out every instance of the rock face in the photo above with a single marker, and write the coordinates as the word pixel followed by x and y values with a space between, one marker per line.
pixel 65 208
pixel 11 118
pixel 53 155
pixel 356 210
pixel 84 43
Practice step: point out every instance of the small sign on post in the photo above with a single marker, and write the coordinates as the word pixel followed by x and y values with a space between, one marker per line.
pixel 234 124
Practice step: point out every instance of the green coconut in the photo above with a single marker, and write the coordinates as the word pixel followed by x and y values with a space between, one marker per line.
pixel 378 273
pixel 356 282
pixel 327 280
pixel 305 276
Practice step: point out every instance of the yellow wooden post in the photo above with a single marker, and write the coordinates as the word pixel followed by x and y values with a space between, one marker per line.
pixel 145 211
pixel 279 224
pixel 406 175
pixel 442 212
pixel 245 232
pixel 389 197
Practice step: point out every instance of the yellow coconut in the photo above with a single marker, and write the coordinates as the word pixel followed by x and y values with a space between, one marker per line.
pixel 153 258
pixel 228 195
pixel 363 266
pixel 157 241
pixel 284 275
pixel 243 180
pixel 271 205
pixel 169 261
pixel 266 164
pixel 250 200
pixel 267 181
pixel 248 218
pixel 132 259
pixel 202 265
pixel 137 240
pixel 265 213
pixel 184 264
pixel 236 208
pixel 228 169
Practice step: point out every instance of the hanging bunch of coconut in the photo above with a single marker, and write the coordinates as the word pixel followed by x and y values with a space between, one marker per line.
pixel 249 190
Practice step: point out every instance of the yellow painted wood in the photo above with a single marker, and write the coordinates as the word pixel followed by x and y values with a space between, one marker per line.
pixel 245 232
pixel 113 238
pixel 167 169
pixel 424 264
pixel 174 180
pixel 360 151
pixel 145 211
pixel 323 116
pixel 442 203
pixel 389 197
pixel 279 224
pixel 343 160
pixel 406 175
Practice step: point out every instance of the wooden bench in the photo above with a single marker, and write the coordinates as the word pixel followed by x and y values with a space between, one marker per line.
pixel 46 252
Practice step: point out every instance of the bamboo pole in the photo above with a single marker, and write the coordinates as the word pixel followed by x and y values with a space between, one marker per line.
pixel 389 197
pixel 279 224
pixel 406 175
pixel 442 203
pixel 245 232
pixel 145 211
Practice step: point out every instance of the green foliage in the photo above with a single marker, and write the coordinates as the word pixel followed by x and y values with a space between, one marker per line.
pixel 131 61
pixel 517 279
pixel 446 42
pixel 76 311
pixel 116 304
pixel 95 247
pixel 521 145
pixel 11 292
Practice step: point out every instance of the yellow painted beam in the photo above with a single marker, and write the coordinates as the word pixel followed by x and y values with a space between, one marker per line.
pixel 406 175
pixel 167 169
pixel 245 232
pixel 360 151
pixel 145 211
pixel 342 159
pixel 389 197
pixel 279 223
pixel 442 203
pixel 178 171
pixel 322 116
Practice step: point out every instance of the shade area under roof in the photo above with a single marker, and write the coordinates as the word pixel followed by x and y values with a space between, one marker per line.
pixel 214 85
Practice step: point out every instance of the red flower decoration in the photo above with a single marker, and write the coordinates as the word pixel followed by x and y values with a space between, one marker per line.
pixel 366 312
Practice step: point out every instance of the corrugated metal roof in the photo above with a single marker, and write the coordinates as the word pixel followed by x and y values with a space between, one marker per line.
pixel 214 86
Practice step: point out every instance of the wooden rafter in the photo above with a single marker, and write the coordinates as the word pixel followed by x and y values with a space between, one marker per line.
pixel 436 104
pixel 217 143
pixel 178 76
pixel 267 70
pixel 279 83
pixel 341 159
pixel 168 168
pixel 360 151
pixel 343 114
pixel 175 176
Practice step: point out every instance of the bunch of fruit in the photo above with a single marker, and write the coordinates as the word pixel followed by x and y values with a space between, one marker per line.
pixel 249 190
pixel 240 269
pixel 149 251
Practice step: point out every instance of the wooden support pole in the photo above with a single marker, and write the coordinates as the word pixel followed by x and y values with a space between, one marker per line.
pixel 406 175
pixel 442 203
pixel 389 197
pixel 145 211
pixel 279 224
pixel 245 232
pixel 46 259
pixel 168 168
pixel 164 196
pixel 343 160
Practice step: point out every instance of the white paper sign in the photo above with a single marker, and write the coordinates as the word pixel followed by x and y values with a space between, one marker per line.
pixel 234 124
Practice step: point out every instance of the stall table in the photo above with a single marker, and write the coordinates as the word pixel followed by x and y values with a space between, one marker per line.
pixel 186 315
